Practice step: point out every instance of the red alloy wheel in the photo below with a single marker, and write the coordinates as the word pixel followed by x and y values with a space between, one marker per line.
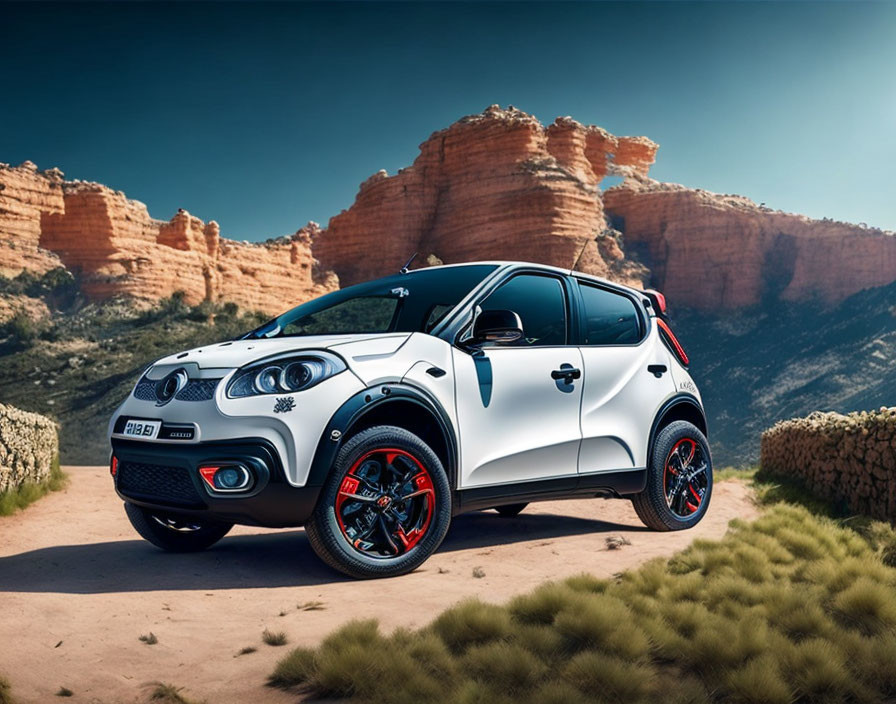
pixel 684 478
pixel 385 503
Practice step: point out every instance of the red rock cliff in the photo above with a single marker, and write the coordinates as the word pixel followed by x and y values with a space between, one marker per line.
pixel 118 249
pixel 497 185
pixel 709 251
pixel 26 196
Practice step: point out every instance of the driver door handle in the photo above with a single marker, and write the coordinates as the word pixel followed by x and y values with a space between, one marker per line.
pixel 567 373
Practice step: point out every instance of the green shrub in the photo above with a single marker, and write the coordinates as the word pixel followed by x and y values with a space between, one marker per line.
pixel 792 607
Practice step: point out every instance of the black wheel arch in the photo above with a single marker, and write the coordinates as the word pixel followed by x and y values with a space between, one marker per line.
pixel 392 403
pixel 681 406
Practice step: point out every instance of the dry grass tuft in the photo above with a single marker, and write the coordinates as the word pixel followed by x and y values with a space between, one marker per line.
pixel 274 638
pixel 65 692
pixel 311 606
pixel 169 694
pixel 6 692
pixel 149 639
pixel 246 651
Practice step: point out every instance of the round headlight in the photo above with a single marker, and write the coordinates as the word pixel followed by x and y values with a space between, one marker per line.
pixel 297 375
pixel 266 380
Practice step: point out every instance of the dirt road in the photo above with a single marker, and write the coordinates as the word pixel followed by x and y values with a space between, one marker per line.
pixel 78 588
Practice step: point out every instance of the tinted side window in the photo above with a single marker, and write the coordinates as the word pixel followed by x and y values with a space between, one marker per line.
pixel 541 305
pixel 610 318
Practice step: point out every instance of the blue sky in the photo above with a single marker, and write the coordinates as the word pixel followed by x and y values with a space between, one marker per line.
pixel 265 116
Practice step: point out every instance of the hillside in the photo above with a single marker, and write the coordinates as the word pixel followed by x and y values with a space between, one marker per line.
pixel 763 364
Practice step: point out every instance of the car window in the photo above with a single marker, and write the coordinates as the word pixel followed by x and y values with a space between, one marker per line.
pixel 610 318
pixel 540 303
pixel 355 315
pixel 414 302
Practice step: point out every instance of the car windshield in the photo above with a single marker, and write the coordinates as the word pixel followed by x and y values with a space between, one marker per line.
pixel 412 302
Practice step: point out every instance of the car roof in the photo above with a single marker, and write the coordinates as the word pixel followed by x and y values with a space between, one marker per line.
pixel 508 265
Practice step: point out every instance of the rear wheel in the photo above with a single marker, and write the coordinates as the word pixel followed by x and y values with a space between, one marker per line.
pixel 175 533
pixel 385 507
pixel 679 479
pixel 510 510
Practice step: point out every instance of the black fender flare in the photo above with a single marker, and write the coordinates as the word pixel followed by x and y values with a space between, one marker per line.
pixel 356 407
pixel 678 399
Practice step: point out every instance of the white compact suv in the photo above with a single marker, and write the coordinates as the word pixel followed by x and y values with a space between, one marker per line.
pixel 374 414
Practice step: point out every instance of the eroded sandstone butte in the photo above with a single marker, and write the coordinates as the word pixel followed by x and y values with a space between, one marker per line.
pixel 26 196
pixel 118 249
pixel 496 185
pixel 709 251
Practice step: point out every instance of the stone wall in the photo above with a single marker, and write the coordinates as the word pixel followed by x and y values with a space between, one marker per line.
pixel 845 458
pixel 28 446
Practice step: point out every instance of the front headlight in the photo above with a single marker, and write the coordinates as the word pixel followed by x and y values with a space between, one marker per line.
pixel 284 375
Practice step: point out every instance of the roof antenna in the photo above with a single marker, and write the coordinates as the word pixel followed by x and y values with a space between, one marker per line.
pixel 404 269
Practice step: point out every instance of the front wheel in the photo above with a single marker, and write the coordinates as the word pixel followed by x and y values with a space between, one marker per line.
pixel 385 506
pixel 175 533
pixel 679 479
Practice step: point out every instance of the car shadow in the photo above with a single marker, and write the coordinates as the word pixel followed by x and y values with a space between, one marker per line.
pixel 266 560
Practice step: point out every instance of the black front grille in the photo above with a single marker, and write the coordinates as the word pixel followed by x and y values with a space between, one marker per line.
pixel 158 483
pixel 145 390
pixel 198 390
pixel 194 390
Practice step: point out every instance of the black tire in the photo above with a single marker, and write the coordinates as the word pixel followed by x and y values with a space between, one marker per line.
pixel 336 539
pixel 667 503
pixel 175 533
pixel 510 510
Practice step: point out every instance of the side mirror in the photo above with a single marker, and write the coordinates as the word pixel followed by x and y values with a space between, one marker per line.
pixel 499 326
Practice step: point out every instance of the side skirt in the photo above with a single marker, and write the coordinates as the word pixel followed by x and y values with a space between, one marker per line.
pixel 603 484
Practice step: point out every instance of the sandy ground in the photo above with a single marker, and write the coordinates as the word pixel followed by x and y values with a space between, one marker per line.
pixel 78 588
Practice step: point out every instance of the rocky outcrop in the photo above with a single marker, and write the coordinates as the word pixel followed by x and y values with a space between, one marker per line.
pixel 29 446
pixel 845 458
pixel 26 197
pixel 712 251
pixel 496 185
pixel 118 249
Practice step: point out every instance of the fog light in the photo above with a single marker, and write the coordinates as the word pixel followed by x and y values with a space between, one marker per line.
pixel 226 477
pixel 113 466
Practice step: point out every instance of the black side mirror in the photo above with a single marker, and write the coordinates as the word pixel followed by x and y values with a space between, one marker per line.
pixel 499 326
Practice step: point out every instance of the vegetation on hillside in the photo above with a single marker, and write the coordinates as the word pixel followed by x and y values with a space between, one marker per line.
pixel 757 366
pixel 793 607
pixel 79 363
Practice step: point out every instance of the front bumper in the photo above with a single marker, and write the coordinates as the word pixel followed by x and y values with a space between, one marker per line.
pixel 165 477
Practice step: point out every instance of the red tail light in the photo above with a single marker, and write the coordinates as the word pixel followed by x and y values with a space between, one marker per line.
pixel 672 342
pixel 657 299
pixel 113 466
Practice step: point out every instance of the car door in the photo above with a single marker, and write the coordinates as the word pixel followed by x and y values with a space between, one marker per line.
pixel 620 394
pixel 518 422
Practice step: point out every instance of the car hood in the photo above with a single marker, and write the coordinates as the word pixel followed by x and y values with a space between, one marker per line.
pixel 229 355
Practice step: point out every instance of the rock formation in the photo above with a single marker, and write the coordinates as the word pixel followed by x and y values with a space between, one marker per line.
pixel 711 251
pixel 26 197
pixel 497 185
pixel 118 249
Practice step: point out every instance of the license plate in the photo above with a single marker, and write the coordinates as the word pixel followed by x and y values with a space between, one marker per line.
pixel 144 429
